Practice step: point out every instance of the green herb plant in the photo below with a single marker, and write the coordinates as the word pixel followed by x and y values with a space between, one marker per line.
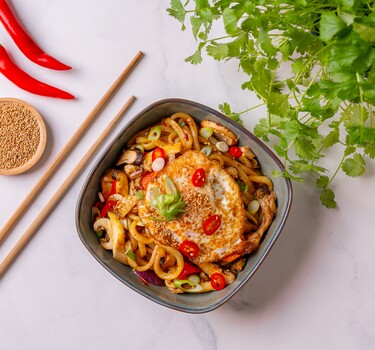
pixel 311 63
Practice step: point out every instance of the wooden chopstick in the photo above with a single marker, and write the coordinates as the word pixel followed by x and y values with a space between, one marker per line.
pixel 67 148
pixel 61 191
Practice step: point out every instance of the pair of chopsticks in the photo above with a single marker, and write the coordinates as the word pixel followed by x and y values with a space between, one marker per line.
pixel 57 161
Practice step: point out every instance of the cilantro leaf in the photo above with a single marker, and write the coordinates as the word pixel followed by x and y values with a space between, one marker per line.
pixel 330 24
pixel 218 51
pixel 178 11
pixel 327 197
pixel 322 181
pixel 354 166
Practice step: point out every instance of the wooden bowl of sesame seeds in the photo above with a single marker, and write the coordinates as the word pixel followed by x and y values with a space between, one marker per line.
pixel 22 136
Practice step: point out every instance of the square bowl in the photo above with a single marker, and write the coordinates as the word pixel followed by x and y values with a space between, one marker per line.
pixel 191 303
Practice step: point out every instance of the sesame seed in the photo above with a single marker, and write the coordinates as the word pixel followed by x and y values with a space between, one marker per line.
pixel 19 135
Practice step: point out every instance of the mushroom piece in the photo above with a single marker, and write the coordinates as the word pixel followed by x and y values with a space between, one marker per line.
pixel 105 224
pixel 133 171
pixel 221 132
pixel 131 156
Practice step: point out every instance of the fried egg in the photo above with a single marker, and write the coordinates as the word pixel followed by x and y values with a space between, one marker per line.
pixel 219 195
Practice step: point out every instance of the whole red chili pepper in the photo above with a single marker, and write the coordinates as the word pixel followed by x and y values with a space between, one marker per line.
pixel 26 82
pixel 24 42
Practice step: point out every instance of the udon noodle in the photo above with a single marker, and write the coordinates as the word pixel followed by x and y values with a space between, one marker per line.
pixel 121 229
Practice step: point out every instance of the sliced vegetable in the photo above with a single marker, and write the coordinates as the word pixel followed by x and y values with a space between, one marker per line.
pixel 206 132
pixel 158 164
pixel 189 249
pixel 131 156
pixel 101 197
pixel 199 177
pixel 218 281
pixel 147 178
pixel 151 277
pixel 194 279
pixel 107 206
pixel 235 151
pixel 211 225
pixel 113 188
pixel 231 257
pixel 100 233
pixel 253 206
pixel 140 195
pixel 170 205
pixel 130 254
pixel 241 184
pixel 206 150
pixel 158 152
pixel 188 270
pixel 155 133
pixel 222 146
pixel 133 171
pixel 188 286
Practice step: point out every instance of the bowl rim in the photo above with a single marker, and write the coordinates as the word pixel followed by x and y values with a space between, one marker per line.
pixel 151 296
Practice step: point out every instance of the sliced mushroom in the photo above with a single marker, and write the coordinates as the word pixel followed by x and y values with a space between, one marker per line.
pixel 105 224
pixel 131 156
pixel 133 171
pixel 221 132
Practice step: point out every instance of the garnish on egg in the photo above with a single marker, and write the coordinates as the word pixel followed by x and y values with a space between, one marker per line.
pixel 169 205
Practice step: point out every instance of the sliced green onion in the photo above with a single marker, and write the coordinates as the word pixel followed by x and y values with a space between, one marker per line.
pixel 195 287
pixel 222 146
pixel 130 254
pixel 241 184
pixel 194 279
pixel 100 233
pixel 169 205
pixel 155 133
pixel 179 283
pixel 181 124
pixel 140 195
pixel 206 132
pixel 253 206
pixel 206 150
pixel 170 187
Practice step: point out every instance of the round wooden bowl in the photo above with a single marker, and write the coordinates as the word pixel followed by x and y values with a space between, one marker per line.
pixel 42 138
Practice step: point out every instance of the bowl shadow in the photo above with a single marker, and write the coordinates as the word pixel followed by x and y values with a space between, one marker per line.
pixel 287 258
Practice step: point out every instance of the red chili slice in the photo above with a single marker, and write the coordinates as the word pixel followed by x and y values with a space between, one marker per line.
pixel 218 281
pixel 145 179
pixel 158 152
pixel 113 187
pixel 189 249
pixel 107 206
pixel 199 177
pixel 211 225
pixel 235 151
pixel 188 270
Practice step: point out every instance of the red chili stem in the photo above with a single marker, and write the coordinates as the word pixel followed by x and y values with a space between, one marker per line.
pixel 26 82
pixel 24 42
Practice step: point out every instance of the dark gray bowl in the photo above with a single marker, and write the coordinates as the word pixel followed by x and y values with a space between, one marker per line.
pixel 192 303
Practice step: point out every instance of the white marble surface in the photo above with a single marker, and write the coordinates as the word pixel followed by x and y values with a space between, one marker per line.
pixel 316 290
